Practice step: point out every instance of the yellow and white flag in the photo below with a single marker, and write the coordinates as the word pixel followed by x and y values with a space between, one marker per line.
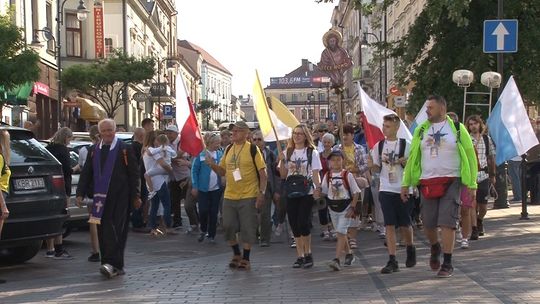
pixel 268 120
pixel 283 113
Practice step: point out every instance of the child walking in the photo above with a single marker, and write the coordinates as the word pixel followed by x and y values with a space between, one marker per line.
pixel 167 153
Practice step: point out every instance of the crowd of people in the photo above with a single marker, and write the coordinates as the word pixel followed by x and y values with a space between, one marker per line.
pixel 252 189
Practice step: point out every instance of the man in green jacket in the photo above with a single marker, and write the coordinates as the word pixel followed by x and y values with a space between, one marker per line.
pixel 441 161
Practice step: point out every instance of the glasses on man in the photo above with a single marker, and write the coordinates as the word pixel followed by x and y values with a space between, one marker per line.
pixel 257 139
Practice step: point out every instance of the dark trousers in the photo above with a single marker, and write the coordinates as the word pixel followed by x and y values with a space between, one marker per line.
pixel 299 215
pixel 208 211
pixel 177 195
pixel 112 234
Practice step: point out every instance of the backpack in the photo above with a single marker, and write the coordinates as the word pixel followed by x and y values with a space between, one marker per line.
pixel 298 185
pixel 339 205
pixel 402 146
pixel 252 150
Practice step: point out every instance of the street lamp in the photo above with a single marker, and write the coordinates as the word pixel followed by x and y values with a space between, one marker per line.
pixel 366 43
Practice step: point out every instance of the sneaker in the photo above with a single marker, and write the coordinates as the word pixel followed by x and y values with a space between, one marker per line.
pixel 459 235
pixel 411 256
pixel 108 271
pixel 334 265
pixel 382 234
pixel 94 257
pixel 63 255
pixel 480 225
pixel 277 231
pixel 299 263
pixel 201 237
pixel 391 266
pixel 293 244
pixel 435 259
pixel 50 254
pixel 474 234
pixel 326 236
pixel 308 261
pixel 464 244
pixel 446 271
pixel 349 259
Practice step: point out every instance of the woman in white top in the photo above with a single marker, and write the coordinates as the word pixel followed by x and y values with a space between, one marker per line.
pixel 301 161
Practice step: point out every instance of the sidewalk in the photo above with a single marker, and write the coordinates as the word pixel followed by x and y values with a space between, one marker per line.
pixel 502 267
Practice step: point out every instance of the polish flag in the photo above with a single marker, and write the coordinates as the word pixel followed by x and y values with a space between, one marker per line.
pixel 190 134
pixel 372 120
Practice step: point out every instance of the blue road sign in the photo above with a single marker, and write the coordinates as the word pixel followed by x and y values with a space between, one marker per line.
pixel 168 111
pixel 333 116
pixel 501 36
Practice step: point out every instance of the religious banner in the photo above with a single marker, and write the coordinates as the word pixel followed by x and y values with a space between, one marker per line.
pixel 98 30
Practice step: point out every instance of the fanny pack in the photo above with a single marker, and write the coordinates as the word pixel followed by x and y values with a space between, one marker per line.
pixel 338 205
pixel 297 185
pixel 435 188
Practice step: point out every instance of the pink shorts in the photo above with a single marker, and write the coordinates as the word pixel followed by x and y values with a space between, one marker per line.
pixel 466 201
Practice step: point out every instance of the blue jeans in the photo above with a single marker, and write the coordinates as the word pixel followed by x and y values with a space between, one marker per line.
pixel 164 197
pixel 208 211
pixel 514 171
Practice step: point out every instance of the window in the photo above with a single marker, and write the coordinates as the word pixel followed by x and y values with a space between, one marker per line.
pixel 108 47
pixel 282 97
pixel 323 114
pixel 322 96
pixel 48 8
pixel 73 36
pixel 294 97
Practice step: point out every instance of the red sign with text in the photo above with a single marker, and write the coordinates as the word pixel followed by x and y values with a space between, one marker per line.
pixel 41 88
pixel 98 31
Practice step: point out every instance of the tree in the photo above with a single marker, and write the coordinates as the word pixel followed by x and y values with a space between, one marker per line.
pixel 447 36
pixel 18 63
pixel 205 107
pixel 106 81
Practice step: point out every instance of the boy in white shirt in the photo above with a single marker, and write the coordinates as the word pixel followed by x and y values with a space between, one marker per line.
pixel 389 157
pixel 342 193
pixel 163 150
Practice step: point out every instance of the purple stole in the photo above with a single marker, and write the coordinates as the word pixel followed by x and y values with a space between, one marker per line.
pixel 102 178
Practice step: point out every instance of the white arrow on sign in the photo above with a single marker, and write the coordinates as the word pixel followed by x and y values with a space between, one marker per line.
pixel 500 31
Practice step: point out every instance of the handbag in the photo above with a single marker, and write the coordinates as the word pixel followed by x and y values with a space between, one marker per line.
pixel 297 185
pixel 435 188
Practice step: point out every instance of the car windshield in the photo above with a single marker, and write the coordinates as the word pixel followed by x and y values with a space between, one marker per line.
pixel 25 149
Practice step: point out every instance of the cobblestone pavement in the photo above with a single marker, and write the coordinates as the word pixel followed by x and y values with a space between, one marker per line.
pixel 501 267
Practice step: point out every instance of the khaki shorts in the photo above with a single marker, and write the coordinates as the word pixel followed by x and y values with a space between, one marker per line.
pixel 442 212
pixel 240 216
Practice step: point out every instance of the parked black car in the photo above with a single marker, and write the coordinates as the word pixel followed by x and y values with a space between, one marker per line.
pixel 36 199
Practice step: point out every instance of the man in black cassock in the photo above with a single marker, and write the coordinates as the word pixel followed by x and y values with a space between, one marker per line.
pixel 112 179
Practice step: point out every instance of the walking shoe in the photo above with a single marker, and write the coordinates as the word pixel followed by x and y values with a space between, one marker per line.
pixel 277 231
pixel 446 271
pixel 435 259
pixel 349 259
pixel 299 263
pixel 201 237
pixel 464 244
pixel 334 264
pixel 293 244
pixel 244 265
pixel 62 255
pixel 382 234
pixel 480 226
pixel 308 261
pixel 391 266
pixel 474 234
pixel 326 235
pixel 108 271
pixel 411 256
pixel 459 235
pixel 50 254
pixel 94 257
pixel 235 261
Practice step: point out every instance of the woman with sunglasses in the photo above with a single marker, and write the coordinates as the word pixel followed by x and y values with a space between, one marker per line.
pixel 301 158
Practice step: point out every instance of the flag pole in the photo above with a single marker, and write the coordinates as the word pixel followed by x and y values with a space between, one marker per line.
pixel 268 113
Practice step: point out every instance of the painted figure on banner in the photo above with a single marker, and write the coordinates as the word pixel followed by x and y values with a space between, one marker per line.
pixel 335 60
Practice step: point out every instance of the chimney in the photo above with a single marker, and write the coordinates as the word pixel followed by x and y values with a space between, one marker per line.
pixel 305 62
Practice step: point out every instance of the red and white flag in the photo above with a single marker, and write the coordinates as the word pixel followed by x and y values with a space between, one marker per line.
pixel 190 134
pixel 372 120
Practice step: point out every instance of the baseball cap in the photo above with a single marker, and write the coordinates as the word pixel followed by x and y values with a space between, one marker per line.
pixel 172 128
pixel 239 124
pixel 335 153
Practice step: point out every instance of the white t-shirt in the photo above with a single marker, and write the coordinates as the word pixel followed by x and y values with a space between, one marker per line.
pixel 440 156
pixel 299 157
pixel 335 188
pixel 391 170
pixel 213 183
pixel 151 165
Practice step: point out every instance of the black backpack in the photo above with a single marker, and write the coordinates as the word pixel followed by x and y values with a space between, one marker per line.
pixel 402 146
pixel 253 151
pixel 298 185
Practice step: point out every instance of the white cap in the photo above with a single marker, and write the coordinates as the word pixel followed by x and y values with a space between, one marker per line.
pixel 172 128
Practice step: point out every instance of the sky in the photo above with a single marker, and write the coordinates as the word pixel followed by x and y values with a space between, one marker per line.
pixel 272 36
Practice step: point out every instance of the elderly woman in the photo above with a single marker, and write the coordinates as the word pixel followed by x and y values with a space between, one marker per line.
pixel 207 186
pixel 58 148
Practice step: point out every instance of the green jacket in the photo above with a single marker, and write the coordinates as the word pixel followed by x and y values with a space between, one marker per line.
pixel 467 155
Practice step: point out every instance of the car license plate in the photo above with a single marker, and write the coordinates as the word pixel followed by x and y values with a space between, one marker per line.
pixel 29 183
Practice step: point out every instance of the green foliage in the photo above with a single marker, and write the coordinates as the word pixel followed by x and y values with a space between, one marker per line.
pixel 17 63
pixel 105 81
pixel 205 107
pixel 447 36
